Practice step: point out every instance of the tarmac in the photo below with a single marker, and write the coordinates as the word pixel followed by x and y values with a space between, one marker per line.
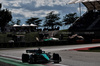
pixel 79 58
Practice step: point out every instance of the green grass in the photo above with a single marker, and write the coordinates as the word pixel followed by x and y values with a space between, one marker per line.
pixel 29 37
pixel 4 38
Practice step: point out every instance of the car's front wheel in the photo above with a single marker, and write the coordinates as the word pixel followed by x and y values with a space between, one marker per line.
pixel 56 58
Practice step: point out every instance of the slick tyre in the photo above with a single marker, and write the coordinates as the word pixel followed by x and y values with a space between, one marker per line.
pixel 56 58
pixel 60 59
pixel 25 58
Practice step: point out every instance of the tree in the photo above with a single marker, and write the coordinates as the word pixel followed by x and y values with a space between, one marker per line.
pixel 52 20
pixel 18 22
pixel 5 17
pixel 11 23
pixel 58 23
pixel 0 5
pixel 35 21
pixel 70 18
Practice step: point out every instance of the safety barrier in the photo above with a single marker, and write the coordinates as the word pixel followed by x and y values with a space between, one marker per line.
pixel 32 44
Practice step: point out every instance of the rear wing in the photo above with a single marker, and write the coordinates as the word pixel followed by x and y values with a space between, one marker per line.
pixel 31 51
pixel 34 51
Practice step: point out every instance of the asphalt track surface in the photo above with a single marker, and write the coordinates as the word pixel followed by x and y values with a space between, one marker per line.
pixel 69 57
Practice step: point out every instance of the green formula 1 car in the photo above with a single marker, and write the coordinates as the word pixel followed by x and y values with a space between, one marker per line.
pixel 39 56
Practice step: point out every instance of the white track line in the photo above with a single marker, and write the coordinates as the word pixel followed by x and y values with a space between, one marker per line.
pixel 60 65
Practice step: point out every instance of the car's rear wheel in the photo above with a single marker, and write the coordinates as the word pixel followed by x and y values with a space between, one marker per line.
pixel 25 58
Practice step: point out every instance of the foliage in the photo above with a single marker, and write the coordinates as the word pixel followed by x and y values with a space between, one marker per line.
pixel 0 5
pixel 31 37
pixel 4 38
pixel 5 17
pixel 18 22
pixel 12 22
pixel 52 20
pixel 70 18
pixel 35 21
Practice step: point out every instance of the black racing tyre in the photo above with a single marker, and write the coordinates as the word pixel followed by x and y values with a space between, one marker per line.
pixel 56 58
pixel 25 58
pixel 60 59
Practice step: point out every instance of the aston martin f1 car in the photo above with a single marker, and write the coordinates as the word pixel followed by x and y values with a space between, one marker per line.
pixel 39 56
